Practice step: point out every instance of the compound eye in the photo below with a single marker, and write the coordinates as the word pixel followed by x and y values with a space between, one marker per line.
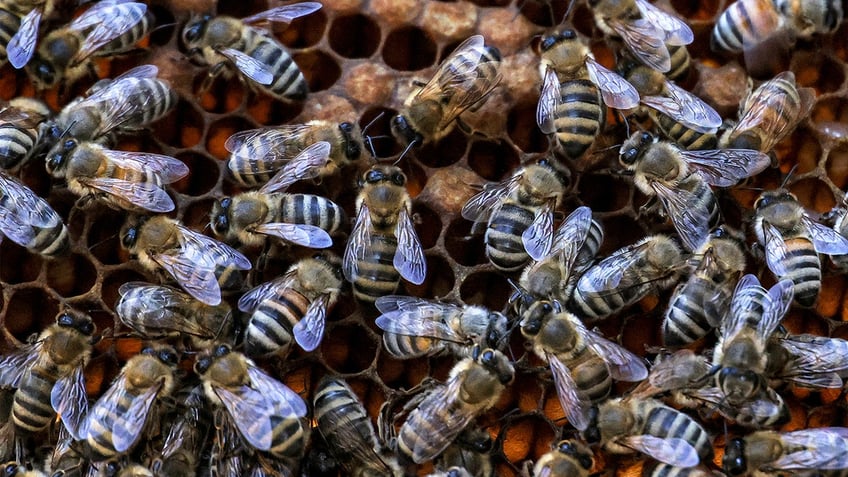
pixel 569 34
pixel 547 43
pixel 65 320
pixel 373 177
pixel 646 138
pixel 87 328
pixel 202 365
pixel 129 239
pixel 222 350
pixel 629 156
pixel 398 179
pixel 346 127
pixel 226 202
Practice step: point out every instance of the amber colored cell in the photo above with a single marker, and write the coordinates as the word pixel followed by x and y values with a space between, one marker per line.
pixel 530 392
pixel 830 110
pixel 320 69
pixel 445 152
pixel 389 369
pixel 305 31
pixel 222 129
pixel 354 36
pixel 450 21
pixel 830 294
pixel 416 178
pixel 489 289
pixel 814 194
pixel 23 319
pixel 519 439
pixel 428 224
pixel 693 11
pixel 103 242
pixel 336 352
pixel 196 214
pixel 183 127
pixel 493 161
pixel 409 49
pixel 71 276
pixel 439 282
pixel 202 177
pixel 462 246
pixel 552 407
pixel 504 30
pixel 223 95
pixel 723 87
pixel 27 264
pixel 523 131
pixel 837 166
pixel 820 72
pixel 369 83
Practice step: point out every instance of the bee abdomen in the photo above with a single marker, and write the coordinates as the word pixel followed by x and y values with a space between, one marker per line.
pixel 406 347
pixel 269 329
pixel 51 241
pixel 31 409
pixel 376 274
pixel 605 303
pixel 100 430
pixel 680 61
pixel 312 210
pixel 667 422
pixel 504 246
pixel 335 406
pixel 686 138
pixel 579 117
pixel 686 320
pixel 156 96
pixel 804 267
pixel 288 81
pixel 591 245
pixel 127 41
pixel 420 437
pixel 287 439
pixel 9 25
pixel 592 379
pixel 15 144
pixel 743 23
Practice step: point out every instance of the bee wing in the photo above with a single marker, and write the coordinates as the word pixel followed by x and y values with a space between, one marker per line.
pixel 154 307
pixel 358 245
pixel 726 167
pixel 768 111
pixel 15 117
pixel 126 429
pixel 572 233
pixel 416 317
pixel 549 101
pixel 110 20
pixel 669 450
pixel 264 143
pixel 686 108
pixel 668 373
pixel 310 329
pixel 251 412
pixel 483 204
pixel 15 364
pixel 300 234
pixel 409 256
pixel 168 169
pixel 677 32
pixel 623 365
pixel 305 165
pixel 823 448
pixel 266 291
pixel 617 92
pixel 746 296
pixel 145 195
pixel 645 41
pixel 576 407
pixel 776 251
pixel 212 252
pixel 285 402
pixel 688 215
pixel 780 298
pixel 825 239
pixel 22 210
pixel 250 67
pixel 440 408
pixel 816 360
pixel 70 401
pixel 141 71
pixel 22 44
pixel 285 13
pixel 414 305
pixel 539 236
pixel 615 270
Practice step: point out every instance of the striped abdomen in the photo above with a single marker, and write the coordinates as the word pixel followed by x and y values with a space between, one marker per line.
pixel 680 61
pixel 579 117
pixel 691 310
pixel 31 408
pixel 598 304
pixel 287 438
pixel 376 275
pixel 804 267
pixel 16 144
pixel 590 374
pixel 288 82
pixel 666 422
pixel 49 241
pixel 270 327
pixel 685 137
pixel 590 247
pixel 311 210
pixel 744 23
pixel 422 436
pixel 9 25
pixel 504 246
pixel 154 97
pixel 100 438
pixel 129 39
pixel 407 347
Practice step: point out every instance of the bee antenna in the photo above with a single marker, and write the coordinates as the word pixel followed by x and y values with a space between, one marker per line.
pixel 567 11
pixel 408 147
pixel 788 176
pixel 95 245
pixel 371 123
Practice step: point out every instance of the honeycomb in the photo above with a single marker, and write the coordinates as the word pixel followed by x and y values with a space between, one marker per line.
pixel 360 58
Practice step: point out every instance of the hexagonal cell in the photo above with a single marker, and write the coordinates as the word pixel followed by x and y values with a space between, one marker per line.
pixel 223 94
pixel 401 373
pixel 182 127
pixel 830 109
pixel 619 231
pixel 375 125
pixel 71 276
pixel 222 129
pixel 824 73
pixel 336 351
pixel 272 112
pixel 102 239
pixel 166 26
pixel 445 152
pixel 837 166
pixel 354 36
pixel 605 192
pixel 522 129
pixel 305 31
pixel 196 215
pixel 428 224
pixel 202 176
pixel 489 289
pixel 439 282
pixel 34 176
pixel 805 151
pixel 416 177
pixel 113 281
pixel 814 194
pixel 26 267
pixel 409 49
pixel 523 436
pixel 493 161
pixel 462 246
pixel 690 11
pixel 544 13
pixel 320 69
pixel 242 9
pixel 23 319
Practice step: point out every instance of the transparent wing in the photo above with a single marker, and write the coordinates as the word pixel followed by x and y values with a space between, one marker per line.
pixel 409 257
pixel 167 168
pixel 266 291
pixel 146 195
pixel 617 92
pixel 124 436
pixel 109 21
pixel 769 111
pixel 747 296
pixel 210 251
pixel 285 13
pixel 22 44
pixel 780 298
pixel 812 355
pixel 250 67
pixel 193 267
pixel 776 251
pixel 449 419
pixel 549 101
pixel 576 407
pixel 300 234
pixel 251 413
pixel 12 116
pixel 70 401
pixel 623 365
pixel 615 270
pixel 572 233
pixel 669 450
pixel 22 210
pixel 822 449
pixel 688 214
pixel 677 32
pixel 358 245
pixel 410 316
pixel 686 108
pixel 305 165
pixel 309 331
pixel 825 239
pixel 483 205
pixel 15 364
pixel 645 41
pixel 156 307
pixel 285 402
pixel 681 370
pixel 726 167
pixel 539 236
pixel 268 143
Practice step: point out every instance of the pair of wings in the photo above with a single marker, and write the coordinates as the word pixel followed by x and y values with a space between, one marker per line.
pixel 816 361
pixel 309 330
pixel 194 263
pixel 824 448
pixel 684 107
pixel 751 299
pixel 144 308
pixel 647 37
pixel 620 270
pixel 102 23
pixel 408 259
pixel 256 409
pixel 824 239
pixel 22 212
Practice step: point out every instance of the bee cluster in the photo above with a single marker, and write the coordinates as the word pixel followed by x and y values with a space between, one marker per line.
pixel 232 246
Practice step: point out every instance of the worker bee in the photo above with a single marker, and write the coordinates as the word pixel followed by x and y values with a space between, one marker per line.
pixel 184 439
pixel 583 363
pixel 294 305
pixel 66 459
pixel 808 360
pixel 824 449
pixel 568 457
pixel 257 155
pixel 47 375
pixel 681 180
pixel 462 82
pixel 698 305
pixel 574 89
pixel 258 56
pixel 413 327
pixel 20 127
pixel 383 233
pixel 627 425
pixel 63 55
pixel 29 221
pixel 350 436
pixel 644 28
pixel 520 214
pixel 626 276
pixel 474 385
pixel 123 180
pixel 199 264
pixel 552 276
pixel 792 241
pixel 769 114
pixel 157 311
pixel 747 23
pixel 266 413
pixel 16 469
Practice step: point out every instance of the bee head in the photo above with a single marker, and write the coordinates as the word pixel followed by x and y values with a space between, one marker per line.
pixel 130 232
pixel 582 456
pixel 536 315
pixel 57 159
pixel 43 72
pixel 739 384
pixel 634 147
pixel 352 144
pixel 194 30
pixel 769 198
pixel 495 362
pixel 734 461
pixel 404 132
pixel 165 354
pixel 113 468
pixel 220 216
pixel 79 322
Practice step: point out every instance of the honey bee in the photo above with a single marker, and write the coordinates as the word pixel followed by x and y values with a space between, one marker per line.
pixel 627 425
pixel 257 155
pixel 681 180
pixel 413 327
pixel 156 311
pixel 747 23
pixel 462 82
pixel 223 42
pixel 568 457
pixel 130 181
pixel 266 413
pixel 20 127
pixel 470 452
pixel 520 214
pixel 792 241
pixel 823 448
pixel 769 114
pixel 63 55
pixel 583 363
pixel 698 305
pixel 474 385
pixel 294 305
pixel 345 425
pixel 47 375
pixel 808 360
pixel 574 89
pixel 16 469
pixel 29 221
pixel 383 233
pixel 645 29
pixel 199 264
pixel 184 439
pixel 626 276
pixel 67 459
